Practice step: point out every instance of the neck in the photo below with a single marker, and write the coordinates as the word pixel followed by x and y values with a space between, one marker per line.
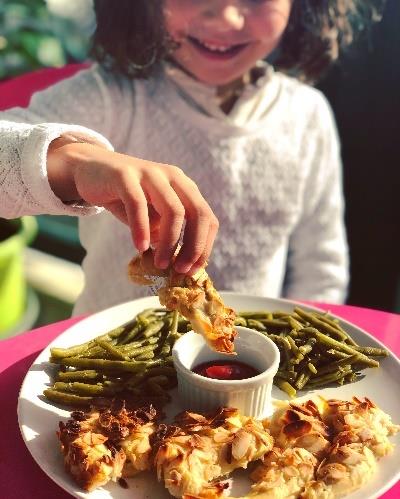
pixel 230 92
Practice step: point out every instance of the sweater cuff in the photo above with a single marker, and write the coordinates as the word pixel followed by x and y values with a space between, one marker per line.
pixel 34 167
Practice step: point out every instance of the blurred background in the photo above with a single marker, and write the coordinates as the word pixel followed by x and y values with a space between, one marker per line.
pixel 37 35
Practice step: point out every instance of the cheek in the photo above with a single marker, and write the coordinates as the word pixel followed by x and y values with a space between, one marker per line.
pixel 178 16
pixel 270 26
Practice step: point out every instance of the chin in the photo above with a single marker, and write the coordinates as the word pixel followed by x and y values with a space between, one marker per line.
pixel 214 78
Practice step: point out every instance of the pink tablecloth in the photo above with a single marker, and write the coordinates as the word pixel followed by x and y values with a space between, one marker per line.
pixel 20 476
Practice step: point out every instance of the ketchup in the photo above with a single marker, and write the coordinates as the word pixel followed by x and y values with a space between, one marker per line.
pixel 225 369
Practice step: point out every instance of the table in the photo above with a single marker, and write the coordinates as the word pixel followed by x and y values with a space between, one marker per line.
pixel 21 477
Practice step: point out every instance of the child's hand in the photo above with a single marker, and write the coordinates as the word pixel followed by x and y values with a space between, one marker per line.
pixel 153 199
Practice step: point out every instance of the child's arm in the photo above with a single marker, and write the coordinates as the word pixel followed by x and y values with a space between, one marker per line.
pixel 318 257
pixel 78 106
pixel 43 169
pixel 126 186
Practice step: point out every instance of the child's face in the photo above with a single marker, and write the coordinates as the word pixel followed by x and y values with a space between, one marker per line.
pixel 220 40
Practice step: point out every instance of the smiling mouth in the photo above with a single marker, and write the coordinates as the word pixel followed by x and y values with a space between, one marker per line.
pixel 219 51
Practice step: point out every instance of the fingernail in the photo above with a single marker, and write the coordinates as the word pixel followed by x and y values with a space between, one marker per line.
pixel 182 268
pixel 143 246
pixel 162 264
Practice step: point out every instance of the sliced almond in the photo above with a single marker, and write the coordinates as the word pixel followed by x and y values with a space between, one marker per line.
pixel 297 429
pixel 240 444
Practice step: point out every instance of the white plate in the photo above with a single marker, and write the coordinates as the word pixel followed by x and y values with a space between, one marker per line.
pixel 39 419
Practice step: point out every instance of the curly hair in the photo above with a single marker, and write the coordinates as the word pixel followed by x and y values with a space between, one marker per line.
pixel 131 38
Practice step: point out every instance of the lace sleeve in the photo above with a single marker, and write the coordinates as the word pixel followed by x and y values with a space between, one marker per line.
pixel 78 106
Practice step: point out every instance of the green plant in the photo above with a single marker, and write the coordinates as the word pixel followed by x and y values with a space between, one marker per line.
pixel 32 37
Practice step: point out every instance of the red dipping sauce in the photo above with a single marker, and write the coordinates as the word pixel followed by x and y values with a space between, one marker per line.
pixel 225 369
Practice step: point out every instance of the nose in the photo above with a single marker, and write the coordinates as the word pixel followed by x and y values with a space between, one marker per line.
pixel 233 16
pixel 226 15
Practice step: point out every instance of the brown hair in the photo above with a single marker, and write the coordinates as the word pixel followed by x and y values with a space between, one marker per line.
pixel 131 38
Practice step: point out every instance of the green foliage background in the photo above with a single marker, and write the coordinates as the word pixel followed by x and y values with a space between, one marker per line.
pixel 31 37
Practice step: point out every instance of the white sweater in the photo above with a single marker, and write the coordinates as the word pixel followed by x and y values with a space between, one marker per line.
pixel 273 179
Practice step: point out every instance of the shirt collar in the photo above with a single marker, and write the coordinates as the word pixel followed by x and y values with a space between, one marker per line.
pixel 251 106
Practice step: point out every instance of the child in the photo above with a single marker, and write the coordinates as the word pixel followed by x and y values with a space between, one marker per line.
pixel 185 84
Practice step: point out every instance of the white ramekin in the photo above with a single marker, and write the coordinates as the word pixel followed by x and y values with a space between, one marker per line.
pixel 252 396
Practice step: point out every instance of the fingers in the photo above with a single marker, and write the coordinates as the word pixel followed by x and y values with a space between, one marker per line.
pixel 201 262
pixel 172 215
pixel 118 210
pixel 201 227
pixel 135 205
pixel 154 219
pixel 156 201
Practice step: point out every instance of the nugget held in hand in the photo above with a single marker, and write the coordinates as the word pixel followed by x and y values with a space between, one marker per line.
pixel 194 297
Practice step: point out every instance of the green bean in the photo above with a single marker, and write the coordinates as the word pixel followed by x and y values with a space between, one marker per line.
pixel 63 398
pixel 312 368
pixel 286 387
pixel 153 329
pixel 277 314
pixel 351 377
pixel 167 335
pixel 299 319
pixel 60 353
pixel 321 325
pixel 95 352
pixel 240 321
pixel 130 347
pixel 336 325
pixel 308 346
pixel 293 345
pixel 301 381
pixel 333 366
pixel 295 360
pixel 286 375
pixel 329 378
pixel 326 340
pixel 108 365
pixel 84 389
pixel 142 350
pixel 335 353
pixel 159 362
pixel 174 324
pixel 145 356
pixel 111 349
pixel 274 323
pixel 375 352
pixel 253 315
pixel 115 333
pixel 131 334
pixel 89 374
pixel 294 324
pixel 175 337
pixel 255 324
pixel 165 350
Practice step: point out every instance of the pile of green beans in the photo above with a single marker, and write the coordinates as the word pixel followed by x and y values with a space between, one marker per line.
pixel 135 358
pixel 315 350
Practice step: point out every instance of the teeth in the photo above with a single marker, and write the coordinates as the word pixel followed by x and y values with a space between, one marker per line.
pixel 215 48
